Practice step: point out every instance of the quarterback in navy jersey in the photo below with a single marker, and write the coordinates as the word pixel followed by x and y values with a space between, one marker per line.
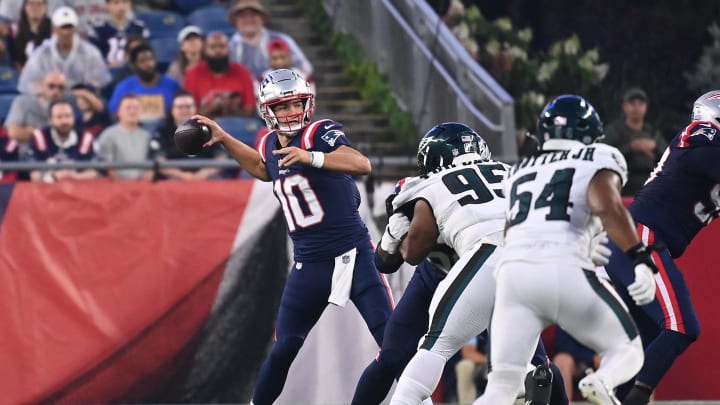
pixel 681 196
pixel 110 35
pixel 311 166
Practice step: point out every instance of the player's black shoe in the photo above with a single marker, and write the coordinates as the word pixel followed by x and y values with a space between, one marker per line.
pixel 538 386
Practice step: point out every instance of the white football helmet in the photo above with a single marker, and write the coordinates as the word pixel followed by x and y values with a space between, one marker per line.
pixel 707 107
pixel 280 86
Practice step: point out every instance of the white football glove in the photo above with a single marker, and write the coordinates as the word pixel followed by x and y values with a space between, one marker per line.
pixel 397 228
pixel 599 252
pixel 642 290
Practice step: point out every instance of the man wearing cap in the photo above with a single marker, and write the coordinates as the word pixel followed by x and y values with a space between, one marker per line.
pixel 78 59
pixel 249 45
pixel 638 141
pixel 191 45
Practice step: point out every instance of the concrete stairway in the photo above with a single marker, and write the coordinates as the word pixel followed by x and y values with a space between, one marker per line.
pixel 336 98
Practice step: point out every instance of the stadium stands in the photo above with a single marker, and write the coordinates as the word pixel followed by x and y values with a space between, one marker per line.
pixel 8 80
pixel 243 129
pixel 162 24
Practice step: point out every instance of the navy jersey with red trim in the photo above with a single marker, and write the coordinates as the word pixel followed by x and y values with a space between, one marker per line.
pixel 111 40
pixel 320 206
pixel 8 153
pixel 682 194
pixel 77 148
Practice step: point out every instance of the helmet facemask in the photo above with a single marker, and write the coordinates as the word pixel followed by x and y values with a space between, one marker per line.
pixel 288 123
pixel 284 86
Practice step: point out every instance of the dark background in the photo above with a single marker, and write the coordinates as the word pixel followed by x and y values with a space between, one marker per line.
pixel 649 44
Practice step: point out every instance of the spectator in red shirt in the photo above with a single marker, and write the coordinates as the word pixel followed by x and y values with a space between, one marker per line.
pixel 220 87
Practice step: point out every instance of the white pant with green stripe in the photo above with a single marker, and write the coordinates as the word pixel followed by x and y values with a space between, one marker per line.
pixel 533 295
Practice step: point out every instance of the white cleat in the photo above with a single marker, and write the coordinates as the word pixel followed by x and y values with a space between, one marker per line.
pixel 596 391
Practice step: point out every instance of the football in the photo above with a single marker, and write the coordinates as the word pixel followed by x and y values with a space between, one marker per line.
pixel 190 136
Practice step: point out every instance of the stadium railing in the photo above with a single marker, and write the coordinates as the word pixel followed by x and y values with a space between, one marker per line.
pixel 430 72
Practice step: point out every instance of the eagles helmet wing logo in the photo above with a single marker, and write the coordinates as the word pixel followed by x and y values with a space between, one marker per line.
pixel 331 136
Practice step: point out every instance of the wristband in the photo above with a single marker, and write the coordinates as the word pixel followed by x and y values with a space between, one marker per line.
pixel 640 253
pixel 317 159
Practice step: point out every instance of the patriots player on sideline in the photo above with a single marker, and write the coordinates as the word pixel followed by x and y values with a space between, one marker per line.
pixel 681 196
pixel 558 199
pixel 310 165
pixel 456 201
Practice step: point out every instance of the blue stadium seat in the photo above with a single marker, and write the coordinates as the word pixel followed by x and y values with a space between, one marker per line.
pixel 5 103
pixel 161 23
pixel 242 129
pixel 212 18
pixel 165 51
pixel 8 80
pixel 188 6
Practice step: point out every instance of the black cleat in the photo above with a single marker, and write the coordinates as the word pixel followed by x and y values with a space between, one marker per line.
pixel 538 386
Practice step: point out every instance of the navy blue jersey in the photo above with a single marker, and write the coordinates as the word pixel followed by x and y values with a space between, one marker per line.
pixel 320 206
pixel 44 147
pixel 111 39
pixel 682 194
pixel 8 153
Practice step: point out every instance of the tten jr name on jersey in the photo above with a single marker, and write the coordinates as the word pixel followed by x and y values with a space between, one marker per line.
pixel 547 209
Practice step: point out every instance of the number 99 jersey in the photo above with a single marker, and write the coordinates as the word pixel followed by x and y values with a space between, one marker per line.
pixel 547 211
pixel 466 198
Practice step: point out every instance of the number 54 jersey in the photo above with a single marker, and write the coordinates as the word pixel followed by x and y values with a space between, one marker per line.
pixel 547 212
pixel 466 198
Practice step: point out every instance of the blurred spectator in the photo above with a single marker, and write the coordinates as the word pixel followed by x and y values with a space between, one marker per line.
pixel 110 35
pixel 641 144
pixel 191 48
pixel 281 58
pixel 123 71
pixel 10 10
pixel 8 153
pixel 249 45
pixel 183 107
pixel 152 89
pixel 5 47
pixel 77 58
pixel 88 11
pixel 30 111
pixel 126 141
pixel 472 370
pixel 94 115
pixel 221 88
pixel 573 359
pixel 30 32
pixel 60 142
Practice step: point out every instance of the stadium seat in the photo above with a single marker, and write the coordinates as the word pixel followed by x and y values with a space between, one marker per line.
pixel 162 24
pixel 242 129
pixel 212 18
pixel 8 80
pixel 5 103
pixel 165 52
pixel 188 6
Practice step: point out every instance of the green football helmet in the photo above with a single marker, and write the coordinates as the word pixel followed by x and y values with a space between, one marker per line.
pixel 445 141
pixel 569 117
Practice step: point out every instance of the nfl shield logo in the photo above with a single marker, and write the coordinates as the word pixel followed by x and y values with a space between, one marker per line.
pixel 346 259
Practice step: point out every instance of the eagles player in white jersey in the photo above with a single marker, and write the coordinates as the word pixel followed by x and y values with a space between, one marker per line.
pixel 557 200
pixel 457 201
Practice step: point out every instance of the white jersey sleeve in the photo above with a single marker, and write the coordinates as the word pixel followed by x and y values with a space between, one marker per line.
pixel 466 199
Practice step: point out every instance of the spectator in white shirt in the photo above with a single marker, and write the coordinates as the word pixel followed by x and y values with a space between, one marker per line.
pixel 78 59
